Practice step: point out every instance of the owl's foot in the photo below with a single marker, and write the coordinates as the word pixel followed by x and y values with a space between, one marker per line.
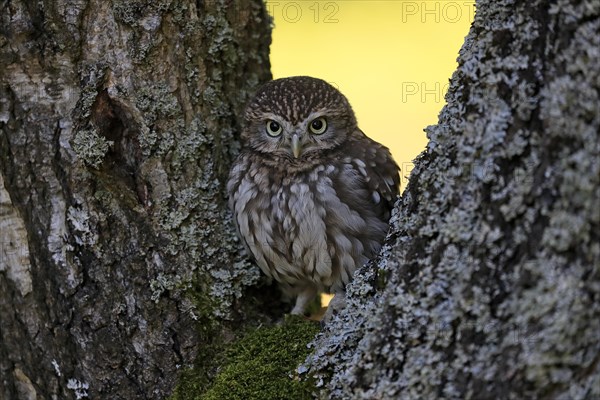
pixel 305 297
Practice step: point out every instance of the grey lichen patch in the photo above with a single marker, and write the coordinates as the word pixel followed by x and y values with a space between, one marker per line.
pixel 156 101
pixel 79 220
pixel 188 206
pixel 493 275
pixel 230 283
pixel 192 222
pixel 193 142
pixel 164 283
pixel 552 304
pixel 91 147
pixel 139 13
pixel 92 76
pixel 229 279
pixel 348 332
pixel 145 20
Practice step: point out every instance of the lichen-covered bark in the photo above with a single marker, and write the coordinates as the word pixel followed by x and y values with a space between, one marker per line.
pixel 117 262
pixel 490 285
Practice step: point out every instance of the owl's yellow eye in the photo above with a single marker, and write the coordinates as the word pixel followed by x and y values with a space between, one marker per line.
pixel 273 128
pixel 318 126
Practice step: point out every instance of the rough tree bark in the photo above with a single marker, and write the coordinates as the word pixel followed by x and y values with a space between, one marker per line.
pixel 490 285
pixel 118 266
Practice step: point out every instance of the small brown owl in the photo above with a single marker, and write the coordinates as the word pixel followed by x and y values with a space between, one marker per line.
pixel 310 193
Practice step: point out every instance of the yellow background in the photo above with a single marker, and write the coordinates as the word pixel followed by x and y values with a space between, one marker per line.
pixel 392 60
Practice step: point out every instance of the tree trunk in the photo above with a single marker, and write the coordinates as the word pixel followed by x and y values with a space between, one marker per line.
pixel 118 262
pixel 490 285
pixel 119 266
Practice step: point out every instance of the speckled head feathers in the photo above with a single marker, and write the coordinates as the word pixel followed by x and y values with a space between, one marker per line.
pixel 296 97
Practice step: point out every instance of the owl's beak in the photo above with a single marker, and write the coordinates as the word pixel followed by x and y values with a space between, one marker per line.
pixel 296 147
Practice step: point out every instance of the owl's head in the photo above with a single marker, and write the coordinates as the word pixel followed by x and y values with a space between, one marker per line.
pixel 297 117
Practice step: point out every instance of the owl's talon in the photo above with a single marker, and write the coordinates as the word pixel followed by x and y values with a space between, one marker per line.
pixel 303 299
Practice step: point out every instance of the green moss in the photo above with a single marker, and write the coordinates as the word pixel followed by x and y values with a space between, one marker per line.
pixel 261 365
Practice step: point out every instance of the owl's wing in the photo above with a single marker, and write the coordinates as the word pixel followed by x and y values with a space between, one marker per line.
pixel 236 175
pixel 381 175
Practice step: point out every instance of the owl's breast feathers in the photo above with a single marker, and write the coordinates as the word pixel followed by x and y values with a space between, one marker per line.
pixel 315 226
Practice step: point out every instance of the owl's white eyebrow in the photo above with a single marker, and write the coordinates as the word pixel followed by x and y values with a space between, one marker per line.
pixel 274 117
pixel 316 114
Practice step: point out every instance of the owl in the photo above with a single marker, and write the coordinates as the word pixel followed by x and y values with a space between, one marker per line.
pixel 311 194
